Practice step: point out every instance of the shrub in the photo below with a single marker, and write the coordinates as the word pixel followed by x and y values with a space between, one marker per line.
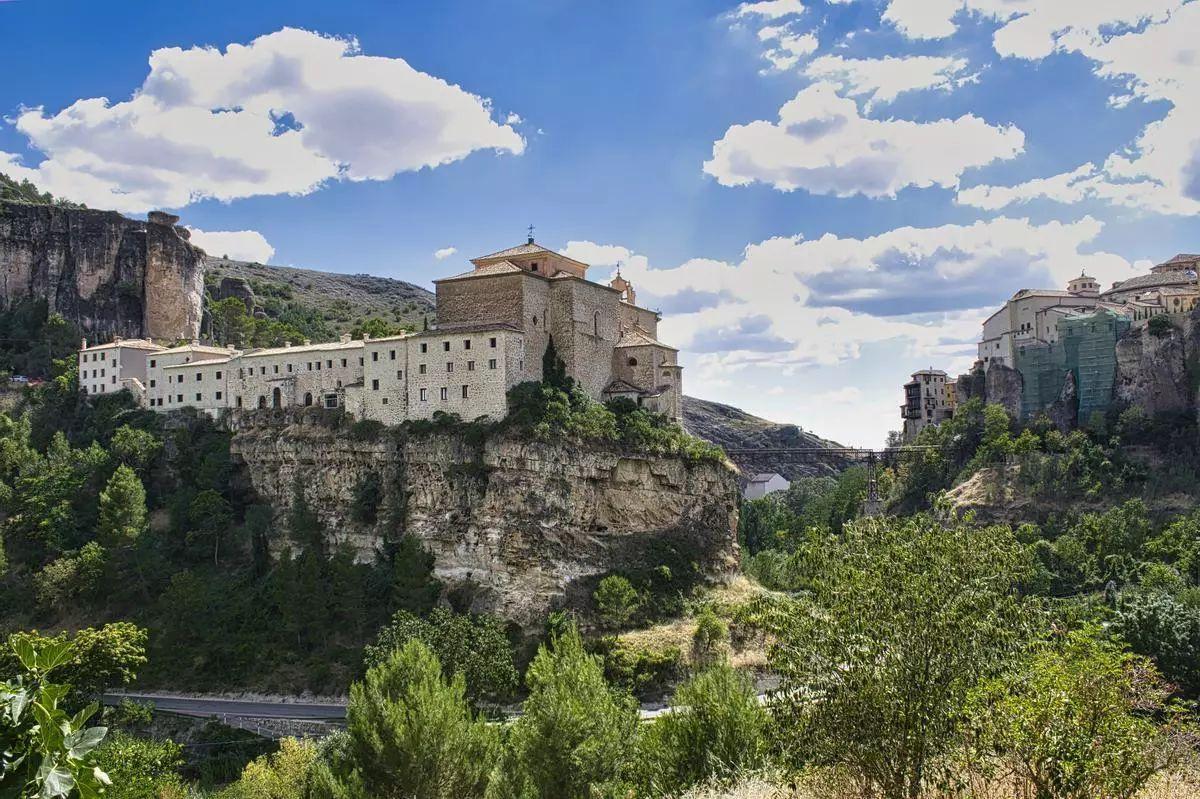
pixel 368 495
pixel 410 733
pixel 577 737
pixel 366 430
pixel 140 768
pixel 1159 626
pixel 710 633
pixel 616 601
pixel 640 671
pixel 474 647
pixel 1160 326
pixel 714 731
pixel 1072 720
pixel 282 775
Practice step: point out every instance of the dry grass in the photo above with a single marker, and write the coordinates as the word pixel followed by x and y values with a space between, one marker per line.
pixel 1178 785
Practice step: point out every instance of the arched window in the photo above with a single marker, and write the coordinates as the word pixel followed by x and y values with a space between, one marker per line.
pixel 262 401
pixel 308 398
pixel 633 361
pixel 276 398
pixel 535 320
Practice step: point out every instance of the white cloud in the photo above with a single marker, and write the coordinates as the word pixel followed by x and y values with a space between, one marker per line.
pixel 444 253
pixel 597 254
pixel 882 80
pixel 792 303
pixel 280 115
pixel 771 9
pixel 788 47
pixel 1149 48
pixel 822 144
pixel 240 245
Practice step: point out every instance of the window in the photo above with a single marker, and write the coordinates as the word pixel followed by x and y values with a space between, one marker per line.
pixel 491 363
pixel 318 364
pixel 329 364
pixel 308 398
pixel 151 384
pixel 421 369
pixel 344 363
pixel 241 373
pixel 238 400
pixel 199 377
pixel 102 355
pixel 424 346
pixel 449 366
pixel 289 368
pixel 218 375
pixel 331 401
pixel 492 342
pixel 445 391
pixel 309 365
pixel 399 374
pixel 218 395
pixel 633 362
pixel 153 363
pixel 275 369
pixel 374 356
pixel 102 373
pixel 424 395
pixel 360 361
pixel 262 370
pixel 470 366
pixel 391 355
pixel 445 346
pixel 179 398
pixel 374 385
pixel 385 399
pixel 466 343
pixel 197 397
pixel 464 392
pixel 535 320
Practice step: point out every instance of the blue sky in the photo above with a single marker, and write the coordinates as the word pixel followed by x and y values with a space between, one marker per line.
pixel 821 196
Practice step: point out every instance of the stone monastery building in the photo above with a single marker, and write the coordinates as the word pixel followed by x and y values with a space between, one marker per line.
pixel 494 325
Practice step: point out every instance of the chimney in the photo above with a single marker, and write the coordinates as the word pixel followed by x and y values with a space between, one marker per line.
pixel 307 341
pixel 344 338
pixel 117 339
pixel 366 338
pixel 83 344
pixel 287 344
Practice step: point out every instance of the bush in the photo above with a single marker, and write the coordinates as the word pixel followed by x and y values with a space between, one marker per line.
pixel 282 775
pixel 577 737
pixel 1160 326
pixel 140 768
pixel 1073 720
pixel 641 672
pixel 616 601
pixel 710 633
pixel 1159 626
pixel 410 733
pixel 714 731
pixel 474 647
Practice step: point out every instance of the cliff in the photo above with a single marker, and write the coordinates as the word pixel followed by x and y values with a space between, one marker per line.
pixel 106 274
pixel 516 528
pixel 733 428
pixel 1152 368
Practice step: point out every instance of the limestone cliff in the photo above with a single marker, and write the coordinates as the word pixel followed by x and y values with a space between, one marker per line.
pixel 107 274
pixel 517 528
pixel 1152 370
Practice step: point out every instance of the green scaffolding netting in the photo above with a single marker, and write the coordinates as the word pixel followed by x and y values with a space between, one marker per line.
pixel 1086 347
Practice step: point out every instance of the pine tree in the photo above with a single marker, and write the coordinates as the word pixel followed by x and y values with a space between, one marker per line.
pixel 122 509
pixel 413 587
pixel 554 369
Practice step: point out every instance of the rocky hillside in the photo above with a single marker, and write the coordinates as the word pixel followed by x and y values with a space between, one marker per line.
pixel 733 428
pixel 341 299
pixel 106 274
pixel 516 528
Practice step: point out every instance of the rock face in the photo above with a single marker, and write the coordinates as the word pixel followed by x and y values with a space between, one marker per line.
pixel 733 428
pixel 236 287
pixel 107 274
pixel 516 528
pixel 1152 371
pixel 1004 386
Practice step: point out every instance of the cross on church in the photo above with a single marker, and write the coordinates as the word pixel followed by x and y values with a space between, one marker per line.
pixel 531 234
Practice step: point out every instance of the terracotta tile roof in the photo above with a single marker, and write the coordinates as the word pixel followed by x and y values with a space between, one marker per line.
pixel 476 327
pixel 622 387
pixel 1150 281
pixel 134 343
pixel 640 338
pixel 499 268
pixel 521 249
pixel 327 346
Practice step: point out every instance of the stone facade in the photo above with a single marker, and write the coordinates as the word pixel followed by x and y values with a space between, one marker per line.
pixel 118 365
pixel 494 326
pixel 929 399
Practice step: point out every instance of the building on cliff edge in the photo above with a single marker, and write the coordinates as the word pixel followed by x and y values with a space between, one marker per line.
pixel 929 399
pixel 495 323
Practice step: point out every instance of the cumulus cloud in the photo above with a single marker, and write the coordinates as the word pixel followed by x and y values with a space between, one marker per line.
pixel 279 115
pixel 882 80
pixel 1147 48
pixel 240 245
pixel 771 9
pixel 824 145
pixel 444 253
pixel 791 303
pixel 786 46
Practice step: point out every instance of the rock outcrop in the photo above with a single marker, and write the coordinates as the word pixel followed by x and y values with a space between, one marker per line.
pixel 1004 386
pixel 109 275
pixel 1152 371
pixel 516 528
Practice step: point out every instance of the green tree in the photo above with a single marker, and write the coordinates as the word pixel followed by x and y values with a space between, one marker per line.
pixel 135 448
pixel 474 646
pixel 1074 720
pixel 209 519
pixel 122 509
pixel 616 601
pixel 902 618
pixel 577 738
pixel 410 734
pixel 64 581
pixel 141 768
pixel 413 587
pixel 281 775
pixel 714 730
pixel 45 753
pixel 1160 626
pixel 554 369
pixel 99 659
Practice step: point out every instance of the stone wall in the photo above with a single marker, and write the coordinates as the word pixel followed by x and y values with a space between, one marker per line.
pixel 516 528
pixel 108 275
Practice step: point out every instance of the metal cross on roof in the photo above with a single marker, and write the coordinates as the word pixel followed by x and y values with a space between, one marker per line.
pixel 531 234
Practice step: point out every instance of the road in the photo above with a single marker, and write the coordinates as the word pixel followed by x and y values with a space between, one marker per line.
pixel 203 707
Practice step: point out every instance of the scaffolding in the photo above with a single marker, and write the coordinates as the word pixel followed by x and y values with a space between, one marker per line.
pixel 1086 348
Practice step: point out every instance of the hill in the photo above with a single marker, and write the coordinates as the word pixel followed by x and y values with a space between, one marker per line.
pixel 733 428
pixel 341 300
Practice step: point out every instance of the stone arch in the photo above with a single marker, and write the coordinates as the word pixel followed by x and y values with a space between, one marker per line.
pixel 262 401
pixel 308 398
pixel 276 398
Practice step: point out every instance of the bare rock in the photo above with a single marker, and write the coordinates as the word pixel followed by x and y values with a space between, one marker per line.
pixel 1004 386
pixel 236 287
pixel 1152 371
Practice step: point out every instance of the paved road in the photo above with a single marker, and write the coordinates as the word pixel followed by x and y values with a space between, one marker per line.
pixel 205 707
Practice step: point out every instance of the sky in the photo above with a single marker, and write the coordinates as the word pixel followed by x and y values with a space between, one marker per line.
pixel 821 196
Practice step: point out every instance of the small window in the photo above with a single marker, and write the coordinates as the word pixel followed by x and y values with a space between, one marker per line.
pixel 399 374
pixel 421 369
pixel 466 343
pixel 151 384
pixel 262 370
pixel 445 346
pixel 102 355
pixel 289 368
pixel 153 363
pixel 470 366
pixel 449 366
pixel 199 377
pixel 318 365
pixel 179 398
pixel 374 356
pixel 535 320
pixel 424 395
pixel 492 342
pixel 391 355
pixel 385 399
pixel 236 401
pixel 424 346
pixel 344 363
pixel 329 364
pixel 218 375
pixel 275 369
pixel 491 363
pixel 464 389
pixel 374 385
pixel 309 365
pixel 633 362
pixel 241 373
pixel 445 393
pixel 218 395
